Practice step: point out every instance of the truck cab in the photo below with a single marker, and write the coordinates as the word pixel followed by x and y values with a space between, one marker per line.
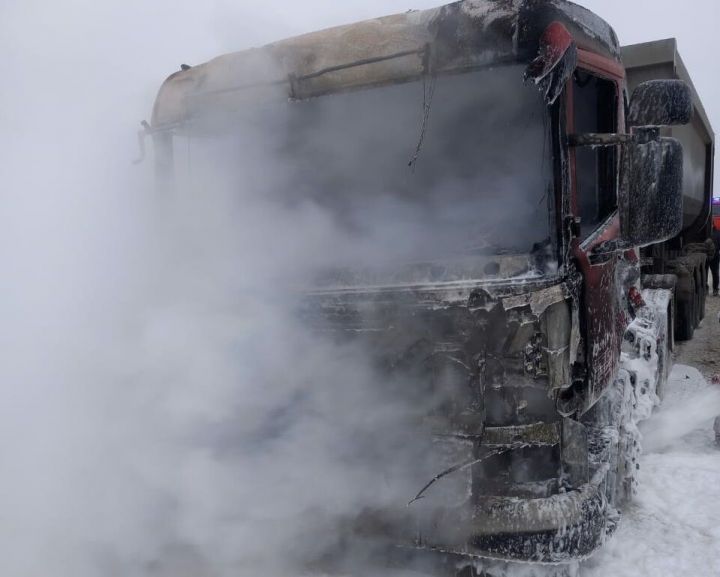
pixel 497 181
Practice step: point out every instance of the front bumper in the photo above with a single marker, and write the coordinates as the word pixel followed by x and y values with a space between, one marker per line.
pixel 560 529
pixel 555 529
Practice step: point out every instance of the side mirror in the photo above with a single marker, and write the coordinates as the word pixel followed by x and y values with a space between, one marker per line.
pixel 651 198
pixel 651 179
pixel 660 103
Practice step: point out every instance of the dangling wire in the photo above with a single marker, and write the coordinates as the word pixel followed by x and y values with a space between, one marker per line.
pixel 464 465
pixel 429 83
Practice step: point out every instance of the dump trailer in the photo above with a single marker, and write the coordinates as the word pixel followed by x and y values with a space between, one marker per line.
pixel 504 188
pixel 684 255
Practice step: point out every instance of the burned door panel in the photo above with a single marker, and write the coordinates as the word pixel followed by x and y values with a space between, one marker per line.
pixel 595 107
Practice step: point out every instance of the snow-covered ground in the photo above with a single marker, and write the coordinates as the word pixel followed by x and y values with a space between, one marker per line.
pixel 673 528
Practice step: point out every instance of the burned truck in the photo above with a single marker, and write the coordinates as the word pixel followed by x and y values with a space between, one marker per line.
pixel 502 186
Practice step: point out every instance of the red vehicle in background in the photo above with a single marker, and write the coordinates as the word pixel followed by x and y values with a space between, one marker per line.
pixel 716 213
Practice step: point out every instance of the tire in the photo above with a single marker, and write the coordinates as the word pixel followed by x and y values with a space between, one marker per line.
pixel 685 319
pixel 703 290
pixel 695 295
pixel 686 302
pixel 698 262
pixel 699 296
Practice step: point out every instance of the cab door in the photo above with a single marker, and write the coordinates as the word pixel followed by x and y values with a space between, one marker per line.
pixel 594 105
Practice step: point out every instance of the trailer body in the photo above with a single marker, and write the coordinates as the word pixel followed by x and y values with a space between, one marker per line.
pixel 686 254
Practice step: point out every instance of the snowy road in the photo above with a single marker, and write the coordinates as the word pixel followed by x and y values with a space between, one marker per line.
pixel 673 528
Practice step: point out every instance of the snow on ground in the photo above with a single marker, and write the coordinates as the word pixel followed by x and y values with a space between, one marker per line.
pixel 673 527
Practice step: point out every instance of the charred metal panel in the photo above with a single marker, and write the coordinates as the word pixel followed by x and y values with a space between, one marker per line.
pixel 589 30
pixel 524 473
pixel 487 359
pixel 557 326
pixel 603 288
pixel 575 453
pixel 474 33
pixel 457 37
pixel 487 354
pixel 555 63
pixel 539 434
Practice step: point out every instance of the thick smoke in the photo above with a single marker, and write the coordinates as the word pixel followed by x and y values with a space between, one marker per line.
pixel 695 406
pixel 294 434
pixel 478 187
pixel 165 410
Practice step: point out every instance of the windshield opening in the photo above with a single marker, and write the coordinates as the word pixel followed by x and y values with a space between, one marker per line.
pixel 474 205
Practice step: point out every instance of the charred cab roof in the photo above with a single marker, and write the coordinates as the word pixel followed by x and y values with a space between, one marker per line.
pixel 459 36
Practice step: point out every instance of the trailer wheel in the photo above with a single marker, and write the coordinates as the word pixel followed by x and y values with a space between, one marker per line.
pixel 698 299
pixel 685 298
pixel 703 289
pixel 699 296
pixel 696 261
pixel 685 319
pixel 698 253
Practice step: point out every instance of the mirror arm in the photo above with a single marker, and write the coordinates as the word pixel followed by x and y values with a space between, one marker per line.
pixel 595 139
pixel 146 131
pixel 640 135
pixel 645 134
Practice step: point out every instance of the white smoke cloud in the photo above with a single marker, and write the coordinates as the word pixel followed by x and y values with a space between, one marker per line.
pixel 152 399
pixel 149 418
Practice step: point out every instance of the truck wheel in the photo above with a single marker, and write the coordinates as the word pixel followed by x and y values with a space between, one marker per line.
pixel 697 261
pixel 698 253
pixel 699 297
pixel 685 298
pixel 703 290
pixel 685 318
